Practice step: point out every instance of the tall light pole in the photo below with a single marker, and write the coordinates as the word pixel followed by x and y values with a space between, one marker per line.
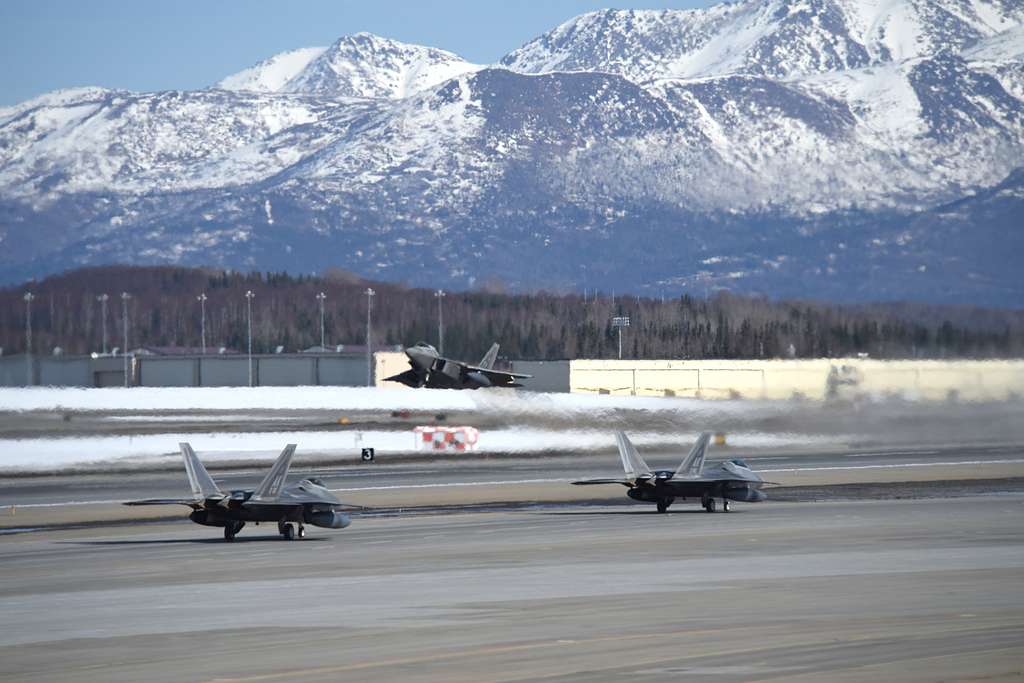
pixel 28 338
pixel 248 305
pixel 202 320
pixel 618 322
pixel 369 349
pixel 124 322
pixel 440 321
pixel 321 297
pixel 102 298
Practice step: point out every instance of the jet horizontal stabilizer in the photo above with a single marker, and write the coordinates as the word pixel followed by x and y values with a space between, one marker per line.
pixel 165 501
pixel 595 482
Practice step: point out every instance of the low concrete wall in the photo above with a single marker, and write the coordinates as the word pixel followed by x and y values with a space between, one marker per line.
pixel 816 379
pixel 388 364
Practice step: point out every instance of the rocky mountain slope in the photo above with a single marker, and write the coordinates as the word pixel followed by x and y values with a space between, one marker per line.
pixel 827 148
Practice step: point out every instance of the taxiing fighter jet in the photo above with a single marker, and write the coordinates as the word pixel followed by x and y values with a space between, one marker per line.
pixel 731 480
pixel 429 369
pixel 306 502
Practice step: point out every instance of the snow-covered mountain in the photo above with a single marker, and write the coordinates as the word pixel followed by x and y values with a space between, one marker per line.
pixel 832 148
pixel 362 65
pixel 774 38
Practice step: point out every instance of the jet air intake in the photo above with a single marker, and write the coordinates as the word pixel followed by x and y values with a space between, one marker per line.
pixel 328 519
pixel 745 494
pixel 205 518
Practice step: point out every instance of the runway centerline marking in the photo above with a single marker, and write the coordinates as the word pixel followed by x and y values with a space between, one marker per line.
pixel 454 483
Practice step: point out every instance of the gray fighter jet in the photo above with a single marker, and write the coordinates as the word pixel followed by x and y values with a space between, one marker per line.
pixel 429 369
pixel 731 480
pixel 293 506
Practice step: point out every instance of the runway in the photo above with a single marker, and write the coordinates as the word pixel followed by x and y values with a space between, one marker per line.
pixel 883 590
pixel 469 479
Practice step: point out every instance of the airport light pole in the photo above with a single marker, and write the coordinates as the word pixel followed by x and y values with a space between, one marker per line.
pixel 248 306
pixel 102 298
pixel 202 321
pixel 28 337
pixel 321 297
pixel 124 322
pixel 618 322
pixel 440 321
pixel 369 349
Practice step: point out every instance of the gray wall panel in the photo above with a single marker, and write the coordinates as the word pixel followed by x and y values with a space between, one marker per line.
pixel 345 371
pixel 218 371
pixel 65 372
pixel 155 371
pixel 13 371
pixel 287 371
pixel 548 375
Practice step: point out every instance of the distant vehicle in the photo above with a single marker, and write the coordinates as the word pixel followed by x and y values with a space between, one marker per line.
pixel 306 502
pixel 731 480
pixel 431 370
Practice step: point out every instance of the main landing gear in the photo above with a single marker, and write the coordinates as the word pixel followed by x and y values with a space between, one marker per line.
pixel 232 528
pixel 290 531
pixel 664 504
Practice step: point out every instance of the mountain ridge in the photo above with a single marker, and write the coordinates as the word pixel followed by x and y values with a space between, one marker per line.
pixel 354 156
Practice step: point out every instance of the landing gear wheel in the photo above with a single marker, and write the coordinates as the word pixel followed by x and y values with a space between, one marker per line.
pixel 302 531
pixel 663 505
pixel 229 532
pixel 725 506
pixel 288 532
pixel 710 507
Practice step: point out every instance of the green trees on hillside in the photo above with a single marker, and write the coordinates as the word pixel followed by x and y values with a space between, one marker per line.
pixel 164 312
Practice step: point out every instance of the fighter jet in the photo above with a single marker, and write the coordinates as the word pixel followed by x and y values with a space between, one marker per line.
pixel 306 502
pixel 429 369
pixel 731 480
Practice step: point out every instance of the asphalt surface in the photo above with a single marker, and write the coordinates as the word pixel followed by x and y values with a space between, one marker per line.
pixel 919 590
pixel 467 471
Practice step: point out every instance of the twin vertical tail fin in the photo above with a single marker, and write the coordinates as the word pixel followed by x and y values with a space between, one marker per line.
pixel 270 488
pixel 693 464
pixel 199 479
pixel 632 463
pixel 488 360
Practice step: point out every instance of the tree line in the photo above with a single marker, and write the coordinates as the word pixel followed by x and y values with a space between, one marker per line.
pixel 164 311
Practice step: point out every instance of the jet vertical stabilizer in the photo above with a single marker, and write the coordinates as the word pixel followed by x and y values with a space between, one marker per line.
pixel 693 464
pixel 632 463
pixel 270 488
pixel 199 479
pixel 487 363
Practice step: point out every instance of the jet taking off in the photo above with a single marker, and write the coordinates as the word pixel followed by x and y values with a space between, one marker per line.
pixel 731 480
pixel 429 369
pixel 306 502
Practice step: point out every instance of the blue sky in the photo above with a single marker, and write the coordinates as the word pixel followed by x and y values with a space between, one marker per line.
pixel 184 44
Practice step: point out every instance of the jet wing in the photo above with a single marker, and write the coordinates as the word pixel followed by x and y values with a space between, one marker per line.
pixel 409 378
